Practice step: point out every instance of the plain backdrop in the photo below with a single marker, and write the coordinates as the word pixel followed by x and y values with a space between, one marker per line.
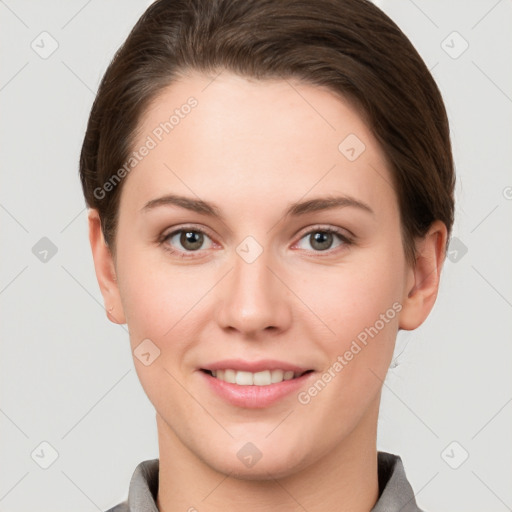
pixel 67 377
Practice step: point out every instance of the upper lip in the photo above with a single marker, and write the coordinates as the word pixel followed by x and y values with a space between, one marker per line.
pixel 254 366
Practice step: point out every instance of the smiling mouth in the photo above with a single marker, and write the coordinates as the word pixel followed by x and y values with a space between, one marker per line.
pixel 263 378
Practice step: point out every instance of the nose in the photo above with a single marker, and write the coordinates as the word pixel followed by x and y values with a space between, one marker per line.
pixel 254 297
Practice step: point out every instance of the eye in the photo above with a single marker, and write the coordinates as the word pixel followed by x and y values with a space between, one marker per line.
pixel 321 239
pixel 190 239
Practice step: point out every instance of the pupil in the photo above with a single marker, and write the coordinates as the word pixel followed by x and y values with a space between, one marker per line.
pixel 321 238
pixel 191 240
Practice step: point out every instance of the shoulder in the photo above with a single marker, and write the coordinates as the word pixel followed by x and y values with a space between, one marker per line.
pixel 121 507
pixel 395 491
pixel 143 489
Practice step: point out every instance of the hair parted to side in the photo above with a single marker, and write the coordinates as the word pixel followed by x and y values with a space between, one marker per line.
pixel 350 47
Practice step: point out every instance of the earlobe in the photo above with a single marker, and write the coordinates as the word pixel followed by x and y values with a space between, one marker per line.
pixel 105 270
pixel 422 283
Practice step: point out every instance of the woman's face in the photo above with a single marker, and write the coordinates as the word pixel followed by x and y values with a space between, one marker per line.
pixel 273 277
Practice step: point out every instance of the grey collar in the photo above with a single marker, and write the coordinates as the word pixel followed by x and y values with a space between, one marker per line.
pixel 395 492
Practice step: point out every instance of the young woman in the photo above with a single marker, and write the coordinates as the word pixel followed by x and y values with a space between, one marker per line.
pixel 270 186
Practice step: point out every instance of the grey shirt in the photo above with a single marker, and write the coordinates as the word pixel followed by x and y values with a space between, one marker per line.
pixel 395 492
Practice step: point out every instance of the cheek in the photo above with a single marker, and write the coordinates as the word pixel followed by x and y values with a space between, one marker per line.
pixel 164 303
pixel 155 294
pixel 160 302
pixel 361 304
pixel 350 298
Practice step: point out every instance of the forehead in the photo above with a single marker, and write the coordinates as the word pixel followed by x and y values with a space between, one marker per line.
pixel 239 138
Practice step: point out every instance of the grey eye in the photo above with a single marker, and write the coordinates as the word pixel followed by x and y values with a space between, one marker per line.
pixel 322 239
pixel 189 239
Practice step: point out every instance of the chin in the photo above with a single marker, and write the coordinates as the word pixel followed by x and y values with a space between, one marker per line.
pixel 270 464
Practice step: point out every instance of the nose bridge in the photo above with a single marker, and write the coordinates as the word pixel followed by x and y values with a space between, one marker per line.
pixel 254 298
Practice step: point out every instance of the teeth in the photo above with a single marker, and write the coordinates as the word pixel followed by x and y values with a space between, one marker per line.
pixel 244 378
pixel 264 378
pixel 230 376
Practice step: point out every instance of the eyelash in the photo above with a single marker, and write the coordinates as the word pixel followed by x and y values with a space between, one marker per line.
pixel 347 241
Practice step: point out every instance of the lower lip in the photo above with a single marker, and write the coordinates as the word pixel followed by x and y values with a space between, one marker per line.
pixel 254 397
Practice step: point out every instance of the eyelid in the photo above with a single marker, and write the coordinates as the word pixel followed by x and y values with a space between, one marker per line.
pixel 343 232
pixel 184 227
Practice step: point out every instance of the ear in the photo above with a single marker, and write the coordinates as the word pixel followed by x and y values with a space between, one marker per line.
pixel 422 282
pixel 105 269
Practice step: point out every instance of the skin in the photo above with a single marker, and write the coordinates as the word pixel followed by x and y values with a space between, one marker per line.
pixel 253 148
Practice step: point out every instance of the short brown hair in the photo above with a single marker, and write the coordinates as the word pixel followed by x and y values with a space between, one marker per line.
pixel 349 46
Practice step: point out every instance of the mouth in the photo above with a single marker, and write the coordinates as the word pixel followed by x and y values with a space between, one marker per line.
pixel 261 378
pixel 255 390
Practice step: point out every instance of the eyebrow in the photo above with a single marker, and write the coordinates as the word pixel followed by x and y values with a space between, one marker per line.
pixel 294 210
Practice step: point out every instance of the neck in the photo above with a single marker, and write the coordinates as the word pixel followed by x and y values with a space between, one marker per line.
pixel 343 480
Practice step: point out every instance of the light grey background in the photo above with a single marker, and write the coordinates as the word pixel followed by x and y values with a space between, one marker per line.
pixel 66 373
